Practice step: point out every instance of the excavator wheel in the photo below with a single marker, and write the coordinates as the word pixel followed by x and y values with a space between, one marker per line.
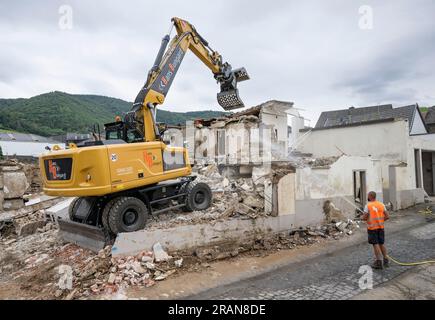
pixel 72 209
pixel 127 214
pixel 182 200
pixel 105 216
pixel 199 196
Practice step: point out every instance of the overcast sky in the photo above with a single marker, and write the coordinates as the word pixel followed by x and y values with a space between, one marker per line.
pixel 319 54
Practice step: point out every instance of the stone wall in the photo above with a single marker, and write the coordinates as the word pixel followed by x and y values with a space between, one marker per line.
pixel 17 179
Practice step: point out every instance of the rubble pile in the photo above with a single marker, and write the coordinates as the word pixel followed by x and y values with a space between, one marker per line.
pixel 238 198
pixel 26 262
pixel 33 176
pixel 104 274
pixel 263 244
pixel 37 260
pixel 39 263
pixel 33 256
pixel 302 160
pixel 16 180
pixel 314 234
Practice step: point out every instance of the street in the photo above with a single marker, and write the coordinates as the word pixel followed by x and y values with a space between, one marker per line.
pixel 335 275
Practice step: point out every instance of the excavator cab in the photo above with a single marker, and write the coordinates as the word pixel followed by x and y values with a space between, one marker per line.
pixel 120 130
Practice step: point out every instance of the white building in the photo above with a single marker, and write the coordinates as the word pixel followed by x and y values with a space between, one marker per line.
pixel 25 145
pixel 242 140
pixel 395 146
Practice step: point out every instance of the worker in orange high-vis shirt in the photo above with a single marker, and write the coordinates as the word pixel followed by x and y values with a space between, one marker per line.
pixel 375 214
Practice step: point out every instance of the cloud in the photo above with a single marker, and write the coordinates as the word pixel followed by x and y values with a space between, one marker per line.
pixel 312 53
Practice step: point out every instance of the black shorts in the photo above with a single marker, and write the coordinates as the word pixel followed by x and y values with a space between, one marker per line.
pixel 376 236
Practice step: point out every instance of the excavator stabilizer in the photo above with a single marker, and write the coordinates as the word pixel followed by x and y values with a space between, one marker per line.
pixel 83 235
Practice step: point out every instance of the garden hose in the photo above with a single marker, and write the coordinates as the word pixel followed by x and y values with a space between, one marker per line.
pixel 410 263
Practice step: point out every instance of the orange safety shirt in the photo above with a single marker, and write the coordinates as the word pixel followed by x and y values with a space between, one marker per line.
pixel 376 216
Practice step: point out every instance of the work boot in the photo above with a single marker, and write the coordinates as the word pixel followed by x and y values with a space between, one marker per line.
pixel 377 264
pixel 386 262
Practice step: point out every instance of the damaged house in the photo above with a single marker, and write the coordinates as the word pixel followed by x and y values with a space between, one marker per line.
pixel 329 169
pixel 243 140
pixel 380 148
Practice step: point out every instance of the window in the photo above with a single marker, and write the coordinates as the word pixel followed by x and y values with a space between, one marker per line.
pixel 112 135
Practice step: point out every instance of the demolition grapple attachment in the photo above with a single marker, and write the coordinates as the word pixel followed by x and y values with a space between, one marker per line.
pixel 229 98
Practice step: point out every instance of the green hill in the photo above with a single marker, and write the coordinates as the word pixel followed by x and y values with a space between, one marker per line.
pixel 58 112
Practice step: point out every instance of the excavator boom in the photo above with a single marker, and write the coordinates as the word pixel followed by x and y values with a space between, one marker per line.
pixel 166 65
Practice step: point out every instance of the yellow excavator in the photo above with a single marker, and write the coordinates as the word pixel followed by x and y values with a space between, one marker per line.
pixel 121 180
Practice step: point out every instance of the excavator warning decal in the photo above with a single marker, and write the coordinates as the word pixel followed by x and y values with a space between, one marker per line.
pixel 52 169
pixel 148 157
pixel 168 71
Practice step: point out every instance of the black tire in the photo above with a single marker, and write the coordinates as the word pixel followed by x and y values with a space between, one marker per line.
pixel 105 215
pixel 199 196
pixel 127 214
pixel 72 209
pixel 182 200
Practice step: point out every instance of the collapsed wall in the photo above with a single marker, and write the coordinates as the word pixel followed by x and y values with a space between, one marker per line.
pixel 17 180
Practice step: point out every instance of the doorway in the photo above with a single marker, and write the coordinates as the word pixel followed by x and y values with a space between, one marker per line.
pixel 428 161
pixel 359 187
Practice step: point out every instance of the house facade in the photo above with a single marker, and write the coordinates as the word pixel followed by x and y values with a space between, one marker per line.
pixel 396 143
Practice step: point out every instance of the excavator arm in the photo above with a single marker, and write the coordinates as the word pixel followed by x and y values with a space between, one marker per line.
pixel 165 67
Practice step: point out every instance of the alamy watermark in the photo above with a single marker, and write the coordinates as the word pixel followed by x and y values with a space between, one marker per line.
pixel 66 277
pixel 66 20
pixel 234 144
pixel 365 21
pixel 366 280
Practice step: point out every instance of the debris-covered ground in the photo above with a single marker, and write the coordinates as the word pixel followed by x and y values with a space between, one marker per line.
pixel 231 199
pixel 37 264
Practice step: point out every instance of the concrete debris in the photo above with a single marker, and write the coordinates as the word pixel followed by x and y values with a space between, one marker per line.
pixel 160 254
pixel 16 180
pixel 147 259
pixel 31 251
pixel 136 266
pixel 150 265
pixel 31 227
pixel 332 213
pixel 232 199
pixel 322 162
pixel 22 225
pixel 112 278
pixel 341 226
pixel 14 184
pixel 32 260
pixel 299 160
pixel 253 202
pixel 12 204
pixel 179 263
pixel 286 240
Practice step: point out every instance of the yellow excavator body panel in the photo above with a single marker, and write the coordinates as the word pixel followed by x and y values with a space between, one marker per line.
pixel 105 169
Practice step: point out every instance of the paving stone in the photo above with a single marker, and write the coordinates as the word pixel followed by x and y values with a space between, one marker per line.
pixel 336 277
